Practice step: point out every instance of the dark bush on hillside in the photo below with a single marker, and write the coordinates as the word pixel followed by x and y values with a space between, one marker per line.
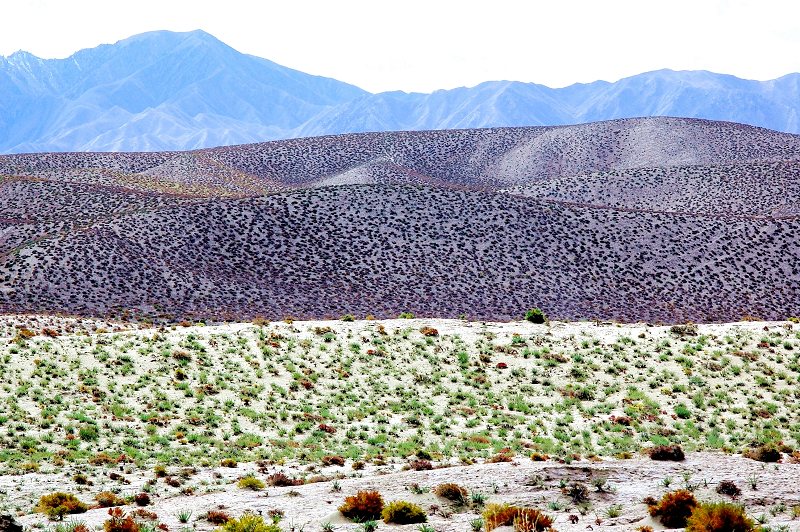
pixel 729 487
pixel 672 453
pixel 535 315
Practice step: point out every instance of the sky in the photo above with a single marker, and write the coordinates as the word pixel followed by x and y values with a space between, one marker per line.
pixel 424 45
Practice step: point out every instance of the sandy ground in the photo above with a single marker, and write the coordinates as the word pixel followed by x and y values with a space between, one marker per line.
pixel 769 491
pixel 521 482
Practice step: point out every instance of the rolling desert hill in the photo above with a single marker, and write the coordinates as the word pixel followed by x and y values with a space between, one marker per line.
pixel 655 219
pixel 177 91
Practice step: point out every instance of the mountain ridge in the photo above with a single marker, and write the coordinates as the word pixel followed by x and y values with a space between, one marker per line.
pixel 177 91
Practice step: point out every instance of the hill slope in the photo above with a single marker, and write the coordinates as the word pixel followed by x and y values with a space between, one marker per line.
pixel 479 222
pixel 176 91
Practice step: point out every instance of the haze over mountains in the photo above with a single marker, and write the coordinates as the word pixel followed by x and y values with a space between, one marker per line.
pixel 175 91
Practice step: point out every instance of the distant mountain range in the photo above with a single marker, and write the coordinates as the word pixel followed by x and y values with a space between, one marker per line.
pixel 175 91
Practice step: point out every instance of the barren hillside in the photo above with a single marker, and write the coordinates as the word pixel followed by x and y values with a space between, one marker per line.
pixel 656 219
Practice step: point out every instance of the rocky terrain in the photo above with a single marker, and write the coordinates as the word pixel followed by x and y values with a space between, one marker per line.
pixel 660 220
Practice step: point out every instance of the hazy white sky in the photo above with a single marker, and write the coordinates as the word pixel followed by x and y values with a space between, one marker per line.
pixel 422 45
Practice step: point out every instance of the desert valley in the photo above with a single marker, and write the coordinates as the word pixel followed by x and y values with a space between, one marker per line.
pixel 532 267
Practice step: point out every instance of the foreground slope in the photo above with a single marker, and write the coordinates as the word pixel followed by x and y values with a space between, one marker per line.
pixel 648 219
pixel 513 411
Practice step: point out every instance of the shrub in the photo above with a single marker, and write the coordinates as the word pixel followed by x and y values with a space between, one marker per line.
pixel 249 522
pixel 578 492
pixel 686 329
pixel 279 480
pixel 101 459
pixel 420 465
pixel 672 453
pixel 145 514
pixel 403 513
pixel 674 508
pixel 500 457
pixel 729 487
pixel 535 315
pixel 217 517
pixel 363 506
pixel 719 517
pixel 348 317
pixel 406 316
pixel 58 504
pixel 531 520
pixel 764 453
pixel 119 521
pixel 332 460
pixel 141 499
pixel 429 331
pixel 88 433
pixel 452 491
pixel 523 519
pixel 228 462
pixel 250 483
pixel 107 499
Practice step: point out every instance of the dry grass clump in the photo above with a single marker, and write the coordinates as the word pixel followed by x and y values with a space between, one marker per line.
pixel 429 331
pixel 57 505
pixel 523 519
pixel 719 517
pixel 217 517
pixel 363 506
pixel 330 460
pixel 452 492
pixel 403 513
pixel 280 479
pixel 768 452
pixel 249 522
pixel 674 508
pixel 107 499
pixel 119 521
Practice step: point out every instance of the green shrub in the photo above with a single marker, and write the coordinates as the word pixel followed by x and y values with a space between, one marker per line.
pixel 406 316
pixel 88 433
pixel 363 506
pixel 250 483
pixel 58 504
pixel 719 517
pixel 248 523
pixel 535 315
pixel 403 513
